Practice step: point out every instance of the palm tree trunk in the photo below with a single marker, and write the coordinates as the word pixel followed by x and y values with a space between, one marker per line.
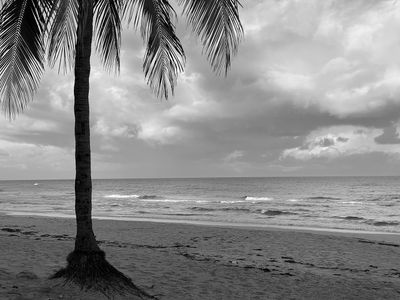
pixel 87 265
pixel 85 239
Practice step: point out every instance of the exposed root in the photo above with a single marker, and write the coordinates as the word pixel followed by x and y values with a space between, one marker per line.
pixel 91 271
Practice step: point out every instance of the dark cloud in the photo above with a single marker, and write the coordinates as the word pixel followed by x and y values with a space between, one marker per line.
pixel 317 77
pixel 342 139
pixel 389 136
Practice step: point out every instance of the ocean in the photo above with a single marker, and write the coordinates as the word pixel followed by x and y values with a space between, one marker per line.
pixel 348 203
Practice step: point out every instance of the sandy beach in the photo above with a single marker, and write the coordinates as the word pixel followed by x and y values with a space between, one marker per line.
pixel 182 261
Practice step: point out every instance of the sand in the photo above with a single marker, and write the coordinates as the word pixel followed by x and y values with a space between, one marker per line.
pixel 181 261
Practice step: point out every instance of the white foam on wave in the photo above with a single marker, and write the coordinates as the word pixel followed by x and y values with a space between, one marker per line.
pixel 293 200
pixel 231 201
pixel 248 198
pixel 351 202
pixel 163 200
pixel 118 196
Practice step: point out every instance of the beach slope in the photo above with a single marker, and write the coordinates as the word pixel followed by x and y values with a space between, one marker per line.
pixel 180 261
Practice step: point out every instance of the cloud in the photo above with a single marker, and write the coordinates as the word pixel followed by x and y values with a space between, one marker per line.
pixel 4 153
pixel 313 81
pixel 155 131
pixel 234 161
pixel 341 141
pixel 290 81
pixel 390 135
pixel 45 160
pixel 233 156
pixel 338 61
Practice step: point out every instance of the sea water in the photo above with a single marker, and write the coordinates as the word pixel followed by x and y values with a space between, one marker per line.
pixel 349 203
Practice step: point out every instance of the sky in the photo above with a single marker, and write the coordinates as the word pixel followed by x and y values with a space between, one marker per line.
pixel 313 91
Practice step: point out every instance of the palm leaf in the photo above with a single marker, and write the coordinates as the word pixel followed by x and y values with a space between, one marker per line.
pixel 22 30
pixel 217 24
pixel 63 34
pixel 164 57
pixel 108 32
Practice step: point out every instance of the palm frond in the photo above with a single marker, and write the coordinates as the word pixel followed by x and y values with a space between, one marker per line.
pixel 164 57
pixel 217 24
pixel 22 30
pixel 108 32
pixel 63 34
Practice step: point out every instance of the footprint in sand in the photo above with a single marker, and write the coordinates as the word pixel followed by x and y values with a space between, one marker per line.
pixel 27 275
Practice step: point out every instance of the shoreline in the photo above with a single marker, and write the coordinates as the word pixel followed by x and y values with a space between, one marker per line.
pixel 199 262
pixel 384 236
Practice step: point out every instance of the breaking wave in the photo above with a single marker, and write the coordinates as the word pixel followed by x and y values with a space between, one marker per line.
pixel 250 198
pixel 151 197
pixel 197 208
pixel 134 196
pixel 351 218
pixel 237 209
pixel 118 196
pixel 275 212
pixel 382 223
pixel 323 198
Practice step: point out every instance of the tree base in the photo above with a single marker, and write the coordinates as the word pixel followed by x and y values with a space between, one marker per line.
pixel 91 271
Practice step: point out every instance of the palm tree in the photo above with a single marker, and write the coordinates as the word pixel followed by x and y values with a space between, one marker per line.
pixel 65 30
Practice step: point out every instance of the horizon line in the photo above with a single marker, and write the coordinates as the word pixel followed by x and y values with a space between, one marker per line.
pixel 202 177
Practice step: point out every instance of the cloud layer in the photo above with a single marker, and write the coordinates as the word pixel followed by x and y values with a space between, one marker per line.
pixel 314 90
